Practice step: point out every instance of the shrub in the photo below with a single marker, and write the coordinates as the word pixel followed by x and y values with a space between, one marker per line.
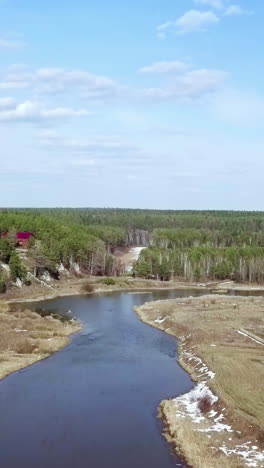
pixel 88 287
pixel 205 404
pixel 108 281
pixel 17 270
pixel 2 287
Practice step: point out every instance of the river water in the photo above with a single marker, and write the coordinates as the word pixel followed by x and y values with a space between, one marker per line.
pixel 94 404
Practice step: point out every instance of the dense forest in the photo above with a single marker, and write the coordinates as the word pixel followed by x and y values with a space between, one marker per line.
pixel 190 245
pixel 248 221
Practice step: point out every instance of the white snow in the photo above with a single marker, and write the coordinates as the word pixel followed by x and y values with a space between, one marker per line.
pixel 190 401
pixel 217 427
pixel 160 320
pixel 249 454
pixel 204 369
pixel 188 405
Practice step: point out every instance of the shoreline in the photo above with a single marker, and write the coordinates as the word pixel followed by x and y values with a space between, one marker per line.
pixel 202 425
pixel 75 287
pixel 13 362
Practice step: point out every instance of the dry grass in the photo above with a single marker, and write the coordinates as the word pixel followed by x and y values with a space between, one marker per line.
pixel 196 446
pixel 26 337
pixel 209 325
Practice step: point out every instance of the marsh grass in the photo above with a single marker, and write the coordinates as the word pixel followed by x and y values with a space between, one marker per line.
pixel 26 337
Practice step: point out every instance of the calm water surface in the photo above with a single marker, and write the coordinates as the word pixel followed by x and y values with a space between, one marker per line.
pixel 94 404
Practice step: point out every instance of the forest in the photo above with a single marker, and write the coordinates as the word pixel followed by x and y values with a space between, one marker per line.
pixel 189 245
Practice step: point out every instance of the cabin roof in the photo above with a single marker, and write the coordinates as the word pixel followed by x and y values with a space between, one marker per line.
pixel 21 235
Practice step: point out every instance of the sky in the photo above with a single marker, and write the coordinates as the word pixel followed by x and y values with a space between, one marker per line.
pixel 145 104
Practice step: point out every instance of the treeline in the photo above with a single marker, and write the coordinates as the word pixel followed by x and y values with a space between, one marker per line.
pixel 229 221
pixel 57 244
pixel 202 264
pixel 182 238
pixel 191 245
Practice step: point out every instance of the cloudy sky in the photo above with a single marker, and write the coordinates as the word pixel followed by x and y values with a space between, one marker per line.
pixel 149 104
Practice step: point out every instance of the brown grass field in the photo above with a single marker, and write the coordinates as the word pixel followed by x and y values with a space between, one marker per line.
pixel 27 337
pixel 208 329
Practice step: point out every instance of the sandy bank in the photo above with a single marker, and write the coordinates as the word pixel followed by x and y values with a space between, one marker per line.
pixel 220 423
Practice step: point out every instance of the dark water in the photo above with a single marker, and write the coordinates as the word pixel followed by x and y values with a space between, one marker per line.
pixel 94 404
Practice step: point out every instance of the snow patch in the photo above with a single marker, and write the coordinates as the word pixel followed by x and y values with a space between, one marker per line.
pixel 188 406
pixel 249 454
pixel 190 402
pixel 160 320
pixel 204 369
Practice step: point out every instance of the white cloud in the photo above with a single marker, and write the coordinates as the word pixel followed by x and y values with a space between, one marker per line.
pixel 163 28
pixel 194 20
pixel 236 10
pixel 7 103
pixel 10 43
pixel 94 148
pixel 185 83
pixel 30 111
pixel 166 67
pixel 191 21
pixel 197 20
pixel 58 80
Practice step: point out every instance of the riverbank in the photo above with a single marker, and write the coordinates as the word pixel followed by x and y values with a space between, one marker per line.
pixel 73 286
pixel 26 337
pixel 90 285
pixel 220 423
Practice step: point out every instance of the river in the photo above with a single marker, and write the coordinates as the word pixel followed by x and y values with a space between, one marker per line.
pixel 94 403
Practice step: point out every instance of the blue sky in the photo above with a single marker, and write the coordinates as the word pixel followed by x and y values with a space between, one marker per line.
pixel 116 103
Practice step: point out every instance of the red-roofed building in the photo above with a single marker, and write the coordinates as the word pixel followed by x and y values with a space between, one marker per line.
pixel 22 238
